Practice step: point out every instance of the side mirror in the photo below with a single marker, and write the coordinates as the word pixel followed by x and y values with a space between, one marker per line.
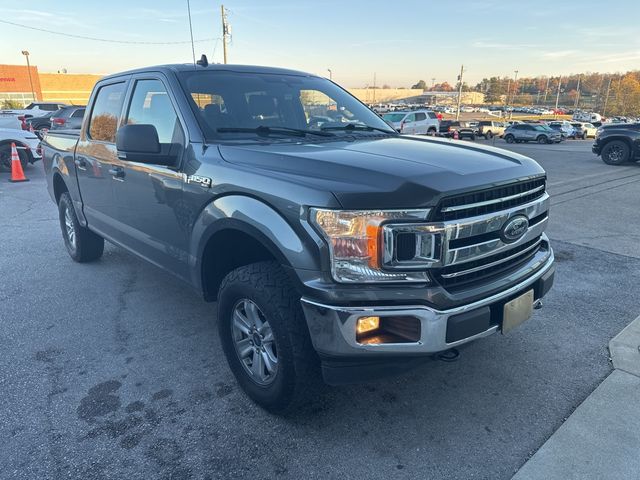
pixel 137 140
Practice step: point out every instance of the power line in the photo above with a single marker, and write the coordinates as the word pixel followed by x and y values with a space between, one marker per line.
pixel 107 40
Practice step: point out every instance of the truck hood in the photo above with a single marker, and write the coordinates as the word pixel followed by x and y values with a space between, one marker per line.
pixel 389 172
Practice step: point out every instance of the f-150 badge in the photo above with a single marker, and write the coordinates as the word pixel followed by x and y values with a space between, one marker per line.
pixel 202 181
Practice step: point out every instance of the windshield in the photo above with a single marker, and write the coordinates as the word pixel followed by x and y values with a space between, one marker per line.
pixel 394 117
pixel 232 105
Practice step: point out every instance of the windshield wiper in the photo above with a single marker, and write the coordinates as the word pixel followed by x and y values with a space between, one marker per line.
pixel 352 127
pixel 264 130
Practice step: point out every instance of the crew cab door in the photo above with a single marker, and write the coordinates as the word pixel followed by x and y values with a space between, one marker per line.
pixel 152 217
pixel 96 157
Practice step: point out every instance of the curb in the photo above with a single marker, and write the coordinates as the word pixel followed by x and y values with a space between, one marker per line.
pixel 624 349
pixel 601 438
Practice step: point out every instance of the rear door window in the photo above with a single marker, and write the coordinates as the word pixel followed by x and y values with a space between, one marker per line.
pixel 420 116
pixel 106 112
pixel 78 113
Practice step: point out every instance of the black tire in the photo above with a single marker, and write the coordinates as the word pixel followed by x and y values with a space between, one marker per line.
pixel 82 244
pixel 5 157
pixel 509 138
pixel 297 371
pixel 472 137
pixel 584 136
pixel 488 135
pixel 431 132
pixel 543 139
pixel 616 152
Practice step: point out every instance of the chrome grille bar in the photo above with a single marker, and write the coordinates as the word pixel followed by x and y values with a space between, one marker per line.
pixel 491 202
pixel 492 264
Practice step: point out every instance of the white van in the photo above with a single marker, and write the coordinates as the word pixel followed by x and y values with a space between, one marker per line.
pixel 416 122
pixel 586 117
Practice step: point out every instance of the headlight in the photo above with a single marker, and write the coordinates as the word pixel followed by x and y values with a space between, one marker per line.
pixel 356 243
pixel 599 131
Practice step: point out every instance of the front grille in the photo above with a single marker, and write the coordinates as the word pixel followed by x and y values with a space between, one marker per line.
pixel 489 201
pixel 485 269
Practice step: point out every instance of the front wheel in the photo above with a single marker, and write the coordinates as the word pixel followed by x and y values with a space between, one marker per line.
pixel 509 138
pixel 265 338
pixel 82 244
pixel 543 139
pixel 616 152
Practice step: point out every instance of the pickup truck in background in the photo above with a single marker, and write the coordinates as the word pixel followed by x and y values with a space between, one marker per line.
pixel 335 248
pixel 618 143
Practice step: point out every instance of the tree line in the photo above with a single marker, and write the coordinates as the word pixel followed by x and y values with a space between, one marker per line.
pixel 618 92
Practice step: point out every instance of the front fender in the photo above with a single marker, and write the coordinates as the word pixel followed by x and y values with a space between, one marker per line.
pixel 257 219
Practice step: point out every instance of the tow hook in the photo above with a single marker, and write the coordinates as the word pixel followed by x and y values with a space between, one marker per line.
pixel 450 355
pixel 537 305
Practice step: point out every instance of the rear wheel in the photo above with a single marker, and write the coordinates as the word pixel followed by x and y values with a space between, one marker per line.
pixel 265 338
pixel 488 135
pixel 431 132
pixel 82 244
pixel 584 136
pixel 616 152
pixel 509 138
pixel 5 157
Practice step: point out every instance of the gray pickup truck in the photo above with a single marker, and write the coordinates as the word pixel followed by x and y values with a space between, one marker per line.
pixel 335 248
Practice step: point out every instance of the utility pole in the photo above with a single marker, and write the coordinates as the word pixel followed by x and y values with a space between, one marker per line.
pixel 506 97
pixel 515 91
pixel 226 31
pixel 618 102
pixel 459 91
pixel 374 87
pixel 606 98
pixel 555 113
pixel 330 73
pixel 546 90
pixel 433 83
pixel 578 92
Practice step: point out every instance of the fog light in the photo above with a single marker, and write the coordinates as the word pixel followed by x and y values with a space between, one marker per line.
pixel 367 324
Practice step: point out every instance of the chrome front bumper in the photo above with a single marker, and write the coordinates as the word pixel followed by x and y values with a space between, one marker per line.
pixel 332 328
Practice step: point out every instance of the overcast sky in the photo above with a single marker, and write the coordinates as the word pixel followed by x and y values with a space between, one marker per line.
pixel 400 41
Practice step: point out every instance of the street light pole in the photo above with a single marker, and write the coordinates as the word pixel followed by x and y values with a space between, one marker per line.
pixel 330 74
pixel 33 93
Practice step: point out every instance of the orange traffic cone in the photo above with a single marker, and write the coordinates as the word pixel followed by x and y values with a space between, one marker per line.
pixel 17 175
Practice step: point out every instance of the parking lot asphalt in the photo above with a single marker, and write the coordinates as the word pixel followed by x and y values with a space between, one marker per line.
pixel 113 370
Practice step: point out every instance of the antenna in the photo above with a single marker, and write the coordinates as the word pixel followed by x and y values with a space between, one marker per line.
pixel 193 48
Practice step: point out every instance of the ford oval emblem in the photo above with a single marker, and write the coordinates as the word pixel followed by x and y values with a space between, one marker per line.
pixel 514 229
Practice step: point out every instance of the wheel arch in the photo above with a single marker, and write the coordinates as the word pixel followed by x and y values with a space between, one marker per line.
pixel 237 230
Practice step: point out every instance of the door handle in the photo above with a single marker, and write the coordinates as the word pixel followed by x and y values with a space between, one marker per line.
pixel 81 163
pixel 117 172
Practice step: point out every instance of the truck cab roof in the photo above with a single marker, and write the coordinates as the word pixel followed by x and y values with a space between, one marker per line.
pixel 183 67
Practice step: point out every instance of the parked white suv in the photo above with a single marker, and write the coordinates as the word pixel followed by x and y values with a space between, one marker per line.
pixel 36 109
pixel 416 122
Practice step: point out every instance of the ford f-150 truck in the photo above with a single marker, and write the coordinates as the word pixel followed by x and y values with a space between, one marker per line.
pixel 335 247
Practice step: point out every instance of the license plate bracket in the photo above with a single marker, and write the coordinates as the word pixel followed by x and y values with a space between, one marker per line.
pixel 517 311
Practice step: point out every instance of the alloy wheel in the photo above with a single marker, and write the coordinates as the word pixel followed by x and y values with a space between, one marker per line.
pixel 254 342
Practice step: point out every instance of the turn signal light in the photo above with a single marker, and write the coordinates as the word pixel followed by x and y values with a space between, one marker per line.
pixel 367 324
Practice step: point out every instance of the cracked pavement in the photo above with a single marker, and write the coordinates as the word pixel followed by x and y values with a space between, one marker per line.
pixel 113 370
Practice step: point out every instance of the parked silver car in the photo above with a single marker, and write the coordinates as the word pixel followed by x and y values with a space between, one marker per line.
pixel 531 132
